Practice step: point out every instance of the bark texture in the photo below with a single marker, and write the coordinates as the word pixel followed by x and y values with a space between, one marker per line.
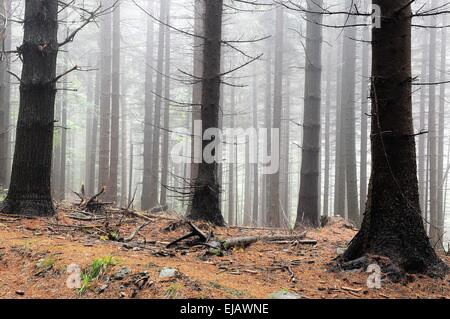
pixel 30 190
pixel 205 200
pixel 392 224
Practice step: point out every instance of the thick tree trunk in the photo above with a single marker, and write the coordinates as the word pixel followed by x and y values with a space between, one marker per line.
pixel 392 224
pixel 205 200
pixel 148 117
pixel 115 108
pixel 30 190
pixel 308 211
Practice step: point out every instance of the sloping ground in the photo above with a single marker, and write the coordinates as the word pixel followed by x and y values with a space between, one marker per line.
pixel 35 253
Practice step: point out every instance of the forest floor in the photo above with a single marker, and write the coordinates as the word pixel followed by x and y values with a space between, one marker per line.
pixel 35 253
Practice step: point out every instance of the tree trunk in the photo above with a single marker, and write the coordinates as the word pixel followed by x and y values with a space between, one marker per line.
pixel 205 200
pixel 441 137
pixel 326 179
pixel 392 224
pixel 123 143
pixel 339 182
pixel 255 212
pixel 364 116
pixel 154 176
pixel 286 218
pixel 115 108
pixel 61 191
pixel 432 135
pixel 274 213
pixel 148 121
pixel 348 109
pixel 199 13
pixel 94 137
pixel 308 211
pixel 267 126
pixel 90 93
pixel 231 173
pixel 165 144
pixel 422 138
pixel 105 98
pixel 5 45
pixel 30 189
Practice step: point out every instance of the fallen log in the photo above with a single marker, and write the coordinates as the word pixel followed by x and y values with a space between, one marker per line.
pixel 246 241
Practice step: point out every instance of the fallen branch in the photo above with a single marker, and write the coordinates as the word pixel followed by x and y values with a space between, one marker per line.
pixel 195 232
pixel 136 231
pixel 246 241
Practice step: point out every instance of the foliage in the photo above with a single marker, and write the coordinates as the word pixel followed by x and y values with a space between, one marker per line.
pixel 98 267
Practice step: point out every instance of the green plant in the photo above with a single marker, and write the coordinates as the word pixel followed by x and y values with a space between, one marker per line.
pixel 172 291
pixel 91 274
pixel 46 263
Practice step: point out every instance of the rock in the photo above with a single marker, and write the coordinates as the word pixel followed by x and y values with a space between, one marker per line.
pixel 285 295
pixel 20 292
pixel 102 288
pixel 340 250
pixel 121 274
pixel 168 273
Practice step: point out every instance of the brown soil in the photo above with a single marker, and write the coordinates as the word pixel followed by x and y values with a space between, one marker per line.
pixel 254 272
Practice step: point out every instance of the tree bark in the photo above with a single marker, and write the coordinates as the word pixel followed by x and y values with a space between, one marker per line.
pixel 154 176
pixel 326 179
pixel 199 13
pixel 422 138
pixel 274 212
pixel 115 107
pixel 348 109
pixel 432 135
pixel 5 45
pixel 105 98
pixel 364 116
pixel 30 190
pixel 165 144
pixel 148 117
pixel 255 205
pixel 392 224
pixel 308 211
pixel 205 200
pixel 441 137
pixel 61 191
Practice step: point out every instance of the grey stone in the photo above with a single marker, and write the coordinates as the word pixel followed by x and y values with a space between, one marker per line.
pixel 285 295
